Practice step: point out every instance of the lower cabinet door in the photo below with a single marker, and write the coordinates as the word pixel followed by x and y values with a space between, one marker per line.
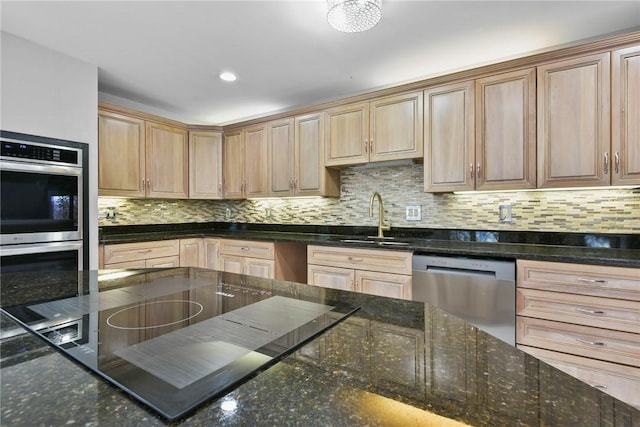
pixel 260 267
pixel 232 264
pixel 164 262
pixel 331 277
pixel 383 284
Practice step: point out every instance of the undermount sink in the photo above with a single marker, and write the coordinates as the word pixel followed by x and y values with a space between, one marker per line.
pixel 385 241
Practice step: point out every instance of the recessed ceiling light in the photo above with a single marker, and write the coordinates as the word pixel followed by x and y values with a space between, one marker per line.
pixel 228 76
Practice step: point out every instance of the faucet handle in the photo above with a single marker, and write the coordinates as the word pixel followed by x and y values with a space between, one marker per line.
pixel 386 226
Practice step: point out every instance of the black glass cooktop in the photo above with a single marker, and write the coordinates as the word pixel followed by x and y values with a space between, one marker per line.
pixel 176 338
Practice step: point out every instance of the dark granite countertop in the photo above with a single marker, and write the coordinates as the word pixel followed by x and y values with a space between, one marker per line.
pixel 394 362
pixel 584 248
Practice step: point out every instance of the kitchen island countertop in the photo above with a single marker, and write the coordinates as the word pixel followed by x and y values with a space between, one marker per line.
pixel 394 362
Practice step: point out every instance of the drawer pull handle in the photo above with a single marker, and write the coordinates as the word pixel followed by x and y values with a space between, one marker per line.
pixel 144 251
pixel 584 310
pixel 355 259
pixel 600 386
pixel 245 249
pixel 598 343
pixel 582 279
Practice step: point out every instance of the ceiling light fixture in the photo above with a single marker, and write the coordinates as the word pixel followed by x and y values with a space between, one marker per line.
pixel 354 16
pixel 228 76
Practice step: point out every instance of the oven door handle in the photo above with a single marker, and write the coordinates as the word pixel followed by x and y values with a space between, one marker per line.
pixel 34 248
pixel 7 165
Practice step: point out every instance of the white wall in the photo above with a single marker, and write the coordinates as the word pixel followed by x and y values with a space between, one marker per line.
pixel 50 94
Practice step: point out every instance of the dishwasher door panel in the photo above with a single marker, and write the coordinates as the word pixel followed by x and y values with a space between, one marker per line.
pixel 484 302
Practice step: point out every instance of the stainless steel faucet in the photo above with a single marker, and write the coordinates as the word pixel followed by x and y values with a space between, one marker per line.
pixel 382 223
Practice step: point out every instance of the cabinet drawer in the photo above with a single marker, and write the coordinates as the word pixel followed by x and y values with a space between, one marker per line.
pixel 598 280
pixel 245 248
pixel 621 382
pixel 602 344
pixel 362 259
pixel 140 263
pixel 607 313
pixel 125 252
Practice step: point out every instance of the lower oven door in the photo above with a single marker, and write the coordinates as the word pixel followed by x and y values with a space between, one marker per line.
pixel 56 256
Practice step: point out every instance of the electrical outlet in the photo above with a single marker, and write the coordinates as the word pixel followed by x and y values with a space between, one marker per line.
pixel 414 213
pixel 504 213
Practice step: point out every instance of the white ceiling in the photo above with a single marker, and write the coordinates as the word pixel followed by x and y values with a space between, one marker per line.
pixel 164 57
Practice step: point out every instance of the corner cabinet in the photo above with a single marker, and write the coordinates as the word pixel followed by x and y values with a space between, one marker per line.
pixel 388 128
pixel 574 122
pixel 205 165
pixel 625 116
pixel 375 272
pixel 480 135
pixel 137 158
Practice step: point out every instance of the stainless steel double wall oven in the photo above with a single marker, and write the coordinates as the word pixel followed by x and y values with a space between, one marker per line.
pixel 43 204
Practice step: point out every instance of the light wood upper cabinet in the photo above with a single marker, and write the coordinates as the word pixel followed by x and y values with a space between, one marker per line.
pixel 205 165
pixel 311 178
pixel 121 155
pixel 234 149
pixel 296 158
pixel 449 138
pixel 625 116
pixel 505 152
pixel 480 135
pixel 388 128
pixel 245 163
pixel 347 130
pixel 256 165
pixel 396 127
pixel 167 162
pixel 573 122
pixel 281 157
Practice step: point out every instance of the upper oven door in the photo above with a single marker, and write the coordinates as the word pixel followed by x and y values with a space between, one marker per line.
pixel 39 203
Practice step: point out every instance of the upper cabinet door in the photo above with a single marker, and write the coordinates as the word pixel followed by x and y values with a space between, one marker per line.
pixel 506 131
pixel 625 115
pixel 449 163
pixel 167 162
pixel 347 130
pixel 281 157
pixel 121 155
pixel 573 122
pixel 234 157
pixel 396 127
pixel 205 165
pixel 256 166
pixel 311 177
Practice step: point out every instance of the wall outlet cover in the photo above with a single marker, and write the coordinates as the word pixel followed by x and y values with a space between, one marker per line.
pixel 414 213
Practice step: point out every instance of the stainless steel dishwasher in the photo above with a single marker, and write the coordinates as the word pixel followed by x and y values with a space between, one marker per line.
pixel 479 291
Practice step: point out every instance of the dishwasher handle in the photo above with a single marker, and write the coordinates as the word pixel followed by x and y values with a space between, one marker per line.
pixel 460 271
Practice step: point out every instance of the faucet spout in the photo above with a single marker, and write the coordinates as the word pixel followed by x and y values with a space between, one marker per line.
pixel 382 223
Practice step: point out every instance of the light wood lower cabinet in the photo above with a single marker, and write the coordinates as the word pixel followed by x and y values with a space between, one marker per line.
pixel 376 272
pixel 584 319
pixel 192 253
pixel 282 261
pixel 160 253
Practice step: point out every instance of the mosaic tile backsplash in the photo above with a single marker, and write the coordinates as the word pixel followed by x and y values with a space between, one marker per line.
pixel 601 211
